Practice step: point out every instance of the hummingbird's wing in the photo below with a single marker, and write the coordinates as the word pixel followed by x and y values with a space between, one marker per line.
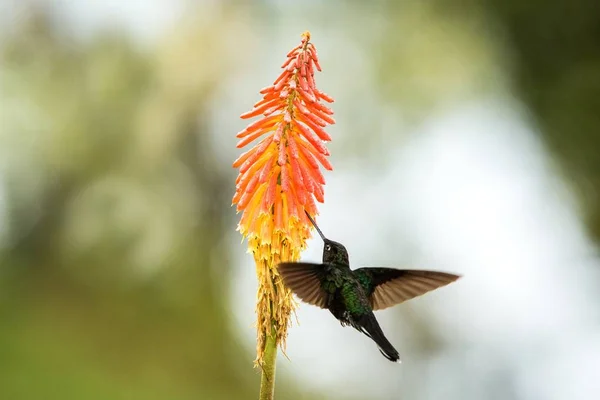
pixel 387 287
pixel 304 279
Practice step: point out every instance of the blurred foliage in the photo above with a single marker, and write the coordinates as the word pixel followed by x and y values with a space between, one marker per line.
pixel 556 70
pixel 434 54
pixel 115 218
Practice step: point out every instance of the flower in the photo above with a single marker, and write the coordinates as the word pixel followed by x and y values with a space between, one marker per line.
pixel 279 179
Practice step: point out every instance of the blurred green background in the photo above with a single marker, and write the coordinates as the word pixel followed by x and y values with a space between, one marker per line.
pixel 468 140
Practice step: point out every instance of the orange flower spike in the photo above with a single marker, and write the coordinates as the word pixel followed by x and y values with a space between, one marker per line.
pixel 320 114
pixel 246 156
pixel 308 159
pixel 293 149
pixel 311 207
pixel 324 96
pixel 301 107
pixel 314 121
pixel 279 179
pixel 253 169
pixel 252 155
pixel 266 89
pixel 317 127
pixel 251 138
pixel 292 51
pixel 278 133
pixel 307 149
pixel 265 171
pixel 315 174
pixel 277 206
pixel 313 52
pixel 306 93
pixel 308 181
pixel 285 180
pixel 261 108
pixel 282 158
pixel 270 195
pixel 311 82
pixel 261 124
pixel 288 61
pixel 319 195
pixel 312 138
pixel 323 108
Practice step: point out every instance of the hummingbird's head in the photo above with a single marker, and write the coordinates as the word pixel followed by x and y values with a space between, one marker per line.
pixel 335 253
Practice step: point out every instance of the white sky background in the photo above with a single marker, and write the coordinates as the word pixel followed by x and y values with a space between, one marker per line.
pixel 471 192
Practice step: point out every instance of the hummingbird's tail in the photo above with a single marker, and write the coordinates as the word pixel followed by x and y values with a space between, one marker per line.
pixel 371 328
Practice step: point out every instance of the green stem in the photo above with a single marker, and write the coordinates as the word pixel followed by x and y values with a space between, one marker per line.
pixel 267 380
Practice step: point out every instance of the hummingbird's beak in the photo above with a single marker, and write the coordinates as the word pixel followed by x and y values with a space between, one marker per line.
pixel 315 225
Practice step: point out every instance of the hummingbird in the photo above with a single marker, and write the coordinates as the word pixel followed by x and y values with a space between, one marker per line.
pixel 352 295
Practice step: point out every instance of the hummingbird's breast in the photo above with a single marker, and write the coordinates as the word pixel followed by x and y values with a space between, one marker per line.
pixel 354 298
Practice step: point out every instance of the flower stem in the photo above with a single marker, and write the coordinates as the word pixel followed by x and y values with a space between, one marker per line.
pixel 267 380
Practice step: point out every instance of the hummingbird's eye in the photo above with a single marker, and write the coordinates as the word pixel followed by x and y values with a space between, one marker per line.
pixel 328 247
